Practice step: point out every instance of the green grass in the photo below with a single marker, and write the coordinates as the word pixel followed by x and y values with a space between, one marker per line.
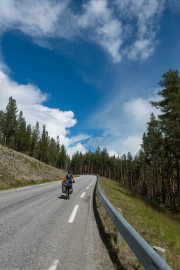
pixel 156 228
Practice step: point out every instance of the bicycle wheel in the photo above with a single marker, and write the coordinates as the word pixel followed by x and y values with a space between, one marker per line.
pixel 67 193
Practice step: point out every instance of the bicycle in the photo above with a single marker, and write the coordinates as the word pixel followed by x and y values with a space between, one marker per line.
pixel 69 190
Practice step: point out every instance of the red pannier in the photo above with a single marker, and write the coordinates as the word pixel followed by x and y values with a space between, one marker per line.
pixel 64 185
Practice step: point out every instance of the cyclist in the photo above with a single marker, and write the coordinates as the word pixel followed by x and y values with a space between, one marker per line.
pixel 69 182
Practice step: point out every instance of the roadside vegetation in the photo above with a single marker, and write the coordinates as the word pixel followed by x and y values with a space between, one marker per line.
pixel 157 227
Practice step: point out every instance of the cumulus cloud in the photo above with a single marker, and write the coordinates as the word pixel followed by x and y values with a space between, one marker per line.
pixel 139 110
pixel 28 94
pixel 123 125
pixel 78 147
pixel 30 100
pixel 123 28
pixel 132 143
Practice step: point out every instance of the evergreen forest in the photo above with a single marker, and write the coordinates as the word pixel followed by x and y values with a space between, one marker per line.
pixel 153 173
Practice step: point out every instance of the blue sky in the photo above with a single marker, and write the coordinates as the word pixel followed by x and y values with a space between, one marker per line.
pixel 88 69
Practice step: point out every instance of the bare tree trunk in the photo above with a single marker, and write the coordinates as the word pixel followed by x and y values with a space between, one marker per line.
pixel 178 180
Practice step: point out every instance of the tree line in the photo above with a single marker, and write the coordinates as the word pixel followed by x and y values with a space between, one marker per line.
pixel 17 135
pixel 154 173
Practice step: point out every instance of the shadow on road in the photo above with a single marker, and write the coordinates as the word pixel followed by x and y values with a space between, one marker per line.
pixel 62 197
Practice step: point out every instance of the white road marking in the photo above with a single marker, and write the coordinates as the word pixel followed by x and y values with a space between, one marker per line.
pixel 54 265
pixel 83 194
pixel 71 219
pixel 87 187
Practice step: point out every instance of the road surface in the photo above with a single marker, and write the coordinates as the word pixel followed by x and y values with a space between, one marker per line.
pixel 41 230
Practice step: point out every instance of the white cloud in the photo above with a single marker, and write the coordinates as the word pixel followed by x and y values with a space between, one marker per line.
pixel 113 153
pixel 123 124
pixel 109 37
pixel 80 137
pixel 132 143
pixel 143 17
pixel 118 145
pixel 35 18
pixel 29 99
pixel 141 49
pixel 106 29
pixel 139 111
pixel 94 12
pixel 77 147
pixel 25 94
pixel 43 19
pixel 122 27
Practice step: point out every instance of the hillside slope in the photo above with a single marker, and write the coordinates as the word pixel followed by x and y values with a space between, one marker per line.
pixel 17 169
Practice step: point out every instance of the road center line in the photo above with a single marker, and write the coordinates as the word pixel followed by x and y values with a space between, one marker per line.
pixel 83 194
pixel 71 219
pixel 87 187
pixel 54 265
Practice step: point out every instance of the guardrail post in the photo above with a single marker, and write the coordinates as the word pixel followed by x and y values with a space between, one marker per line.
pixel 160 251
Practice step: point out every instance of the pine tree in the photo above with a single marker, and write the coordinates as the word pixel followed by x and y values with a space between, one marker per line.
pixel 170 122
pixel 105 162
pixel 130 170
pixel 97 161
pixel 10 123
pixel 1 126
pixel 43 146
pixel 28 140
pixel 152 146
pixel 76 163
pixel 35 140
pixel 62 158
pixel 20 134
pixel 140 173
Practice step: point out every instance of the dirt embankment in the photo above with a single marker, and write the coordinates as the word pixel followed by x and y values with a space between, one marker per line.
pixel 17 169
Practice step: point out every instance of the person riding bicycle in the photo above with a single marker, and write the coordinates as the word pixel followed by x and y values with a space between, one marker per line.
pixel 69 181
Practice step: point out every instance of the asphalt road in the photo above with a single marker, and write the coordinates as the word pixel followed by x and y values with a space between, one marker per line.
pixel 41 230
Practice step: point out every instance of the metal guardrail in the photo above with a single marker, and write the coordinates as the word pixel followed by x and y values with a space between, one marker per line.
pixel 148 257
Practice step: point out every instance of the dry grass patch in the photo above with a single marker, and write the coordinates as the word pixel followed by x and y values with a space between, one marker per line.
pixel 17 169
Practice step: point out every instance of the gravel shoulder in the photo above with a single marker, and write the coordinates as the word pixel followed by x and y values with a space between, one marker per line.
pixel 97 254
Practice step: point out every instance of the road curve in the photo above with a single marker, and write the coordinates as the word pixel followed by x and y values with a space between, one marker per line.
pixel 41 230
